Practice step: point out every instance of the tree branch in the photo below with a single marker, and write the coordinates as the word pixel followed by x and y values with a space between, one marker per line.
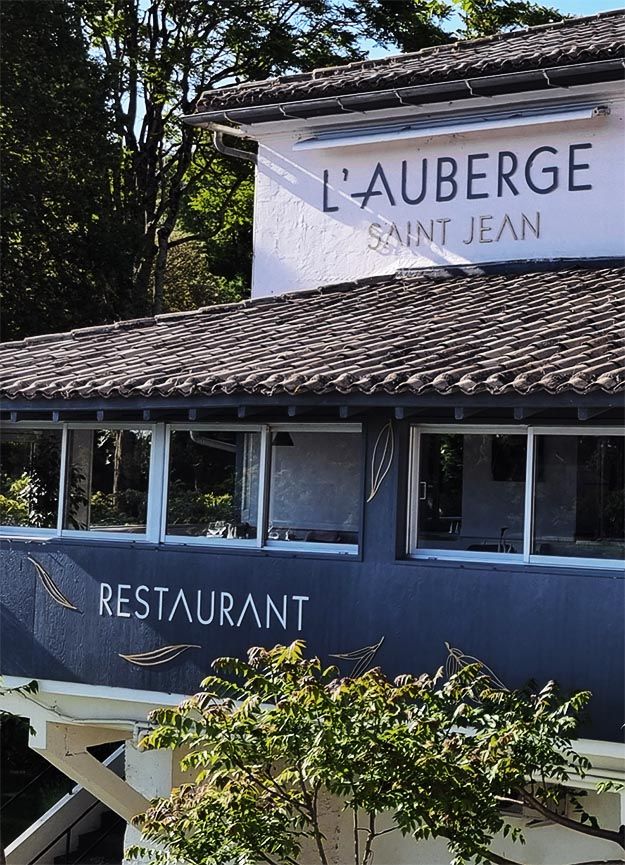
pixel 368 854
pixel 606 834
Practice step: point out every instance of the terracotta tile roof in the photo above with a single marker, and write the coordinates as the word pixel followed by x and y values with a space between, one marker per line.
pixel 464 330
pixel 565 43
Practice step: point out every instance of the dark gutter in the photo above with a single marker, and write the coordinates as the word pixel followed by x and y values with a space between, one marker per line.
pixel 421 94
pixel 534 400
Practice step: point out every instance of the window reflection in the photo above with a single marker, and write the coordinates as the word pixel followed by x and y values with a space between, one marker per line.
pixel 579 495
pixel 107 480
pixel 315 487
pixel 471 492
pixel 30 461
pixel 213 484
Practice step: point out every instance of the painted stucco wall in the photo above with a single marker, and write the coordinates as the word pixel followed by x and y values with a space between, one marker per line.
pixel 343 214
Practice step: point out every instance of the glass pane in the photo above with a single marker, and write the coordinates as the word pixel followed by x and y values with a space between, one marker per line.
pixel 107 481
pixel 213 484
pixel 471 492
pixel 315 487
pixel 578 507
pixel 30 463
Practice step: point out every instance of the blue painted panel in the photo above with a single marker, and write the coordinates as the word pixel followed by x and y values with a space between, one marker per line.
pixel 524 622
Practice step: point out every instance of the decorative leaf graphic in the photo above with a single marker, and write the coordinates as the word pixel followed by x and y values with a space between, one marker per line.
pixel 362 658
pixel 456 660
pixel 158 656
pixel 382 459
pixel 51 587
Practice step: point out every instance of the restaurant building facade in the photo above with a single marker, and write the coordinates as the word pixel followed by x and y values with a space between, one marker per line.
pixel 410 437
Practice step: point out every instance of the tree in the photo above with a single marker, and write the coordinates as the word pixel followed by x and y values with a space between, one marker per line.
pixel 62 246
pixel 270 735
pixel 159 55
pixel 101 178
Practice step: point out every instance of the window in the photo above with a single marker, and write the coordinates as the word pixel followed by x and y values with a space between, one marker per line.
pixel 30 464
pixel 315 487
pixel 213 484
pixel 258 486
pixel 249 485
pixel 534 495
pixel 107 480
pixel 470 495
pixel 578 502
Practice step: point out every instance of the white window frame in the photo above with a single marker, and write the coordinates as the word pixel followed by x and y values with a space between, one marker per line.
pixel 526 557
pixel 27 532
pixel 158 487
pixel 201 540
pixel 130 537
pixel 261 541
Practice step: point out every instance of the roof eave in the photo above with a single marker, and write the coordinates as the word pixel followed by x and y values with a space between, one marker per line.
pixel 549 78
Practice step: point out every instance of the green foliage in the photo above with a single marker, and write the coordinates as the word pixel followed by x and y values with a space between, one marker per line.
pixel 186 506
pixel 488 17
pixel 62 249
pixel 268 736
pixel 14 501
pixel 124 507
pixel 103 184
pixel 25 501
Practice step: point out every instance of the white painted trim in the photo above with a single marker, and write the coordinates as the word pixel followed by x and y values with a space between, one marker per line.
pixel 94 692
pixel 207 541
pixel 422 553
pixel 26 532
pixel 312 547
pixel 100 535
pixel 579 430
pixel 164 483
pixel 528 515
pixel 443 127
pixel 264 469
pixel 63 472
pixel 155 484
pixel 114 424
pixel 412 511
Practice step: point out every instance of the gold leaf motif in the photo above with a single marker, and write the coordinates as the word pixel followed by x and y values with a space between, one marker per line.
pixel 382 458
pixel 362 658
pixel 51 587
pixel 158 656
pixel 457 660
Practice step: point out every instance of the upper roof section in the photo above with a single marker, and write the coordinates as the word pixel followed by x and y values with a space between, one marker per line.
pixel 594 45
pixel 558 328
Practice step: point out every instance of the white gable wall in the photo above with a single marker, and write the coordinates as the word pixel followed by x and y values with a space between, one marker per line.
pixel 315 224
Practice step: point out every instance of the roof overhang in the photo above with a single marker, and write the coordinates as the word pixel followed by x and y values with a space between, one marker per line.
pixel 558 77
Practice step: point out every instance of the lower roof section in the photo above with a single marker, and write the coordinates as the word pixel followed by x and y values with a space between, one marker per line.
pixel 515 329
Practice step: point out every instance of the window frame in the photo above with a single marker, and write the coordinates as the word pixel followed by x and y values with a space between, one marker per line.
pixel 526 557
pixel 98 535
pixel 200 540
pixel 312 546
pixel 158 481
pixel 261 542
pixel 27 532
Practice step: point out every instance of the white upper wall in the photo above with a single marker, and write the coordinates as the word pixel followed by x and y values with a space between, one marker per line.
pixel 553 189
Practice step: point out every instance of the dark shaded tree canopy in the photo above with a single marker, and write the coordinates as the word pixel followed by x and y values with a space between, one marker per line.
pixel 103 185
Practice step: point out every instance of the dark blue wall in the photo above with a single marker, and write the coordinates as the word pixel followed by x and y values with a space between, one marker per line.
pixel 524 622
